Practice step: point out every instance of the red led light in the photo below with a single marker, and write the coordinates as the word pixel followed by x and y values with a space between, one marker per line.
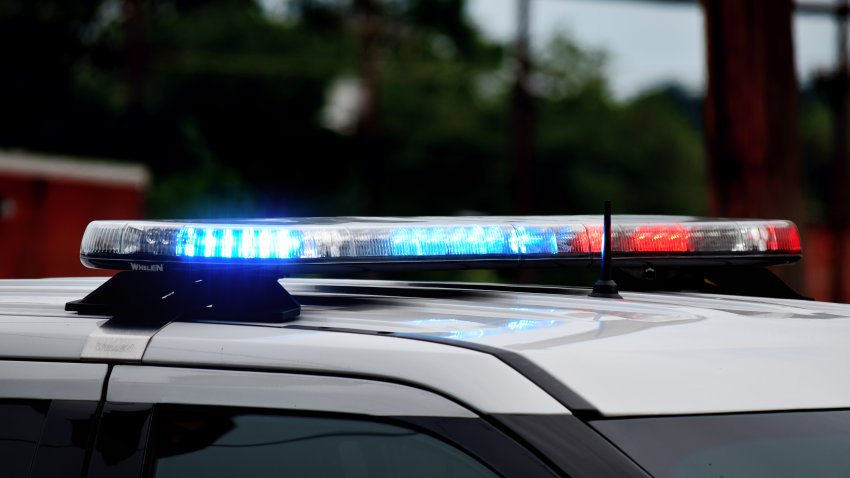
pixel 677 238
pixel 784 239
pixel 661 238
pixel 589 240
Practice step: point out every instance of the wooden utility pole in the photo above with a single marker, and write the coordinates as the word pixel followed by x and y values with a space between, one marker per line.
pixel 370 34
pixel 839 204
pixel 522 114
pixel 751 109
pixel 134 46
pixel 751 112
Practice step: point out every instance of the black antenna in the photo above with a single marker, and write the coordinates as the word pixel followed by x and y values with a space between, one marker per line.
pixel 606 287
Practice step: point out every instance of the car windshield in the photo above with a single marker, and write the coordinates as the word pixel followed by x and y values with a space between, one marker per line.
pixel 788 444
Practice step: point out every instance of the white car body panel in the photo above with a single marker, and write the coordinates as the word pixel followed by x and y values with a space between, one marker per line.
pixel 476 379
pixel 275 390
pixel 33 320
pixel 49 381
pixel 655 353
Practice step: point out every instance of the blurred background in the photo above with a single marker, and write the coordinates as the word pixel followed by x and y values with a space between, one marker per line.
pixel 268 108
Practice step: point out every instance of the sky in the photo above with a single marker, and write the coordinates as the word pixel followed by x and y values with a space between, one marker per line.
pixel 647 43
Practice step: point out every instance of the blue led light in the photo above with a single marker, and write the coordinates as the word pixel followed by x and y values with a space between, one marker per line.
pixel 239 242
pixel 471 240
pixel 185 242
pixel 534 240
pixel 209 243
pixel 403 241
pixel 227 243
pixel 245 243
pixel 448 241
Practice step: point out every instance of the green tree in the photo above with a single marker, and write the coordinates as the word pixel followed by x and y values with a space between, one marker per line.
pixel 643 153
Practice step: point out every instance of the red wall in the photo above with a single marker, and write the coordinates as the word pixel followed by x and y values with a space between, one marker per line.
pixel 819 265
pixel 42 222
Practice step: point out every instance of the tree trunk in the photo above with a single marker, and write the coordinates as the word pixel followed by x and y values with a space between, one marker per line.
pixel 751 112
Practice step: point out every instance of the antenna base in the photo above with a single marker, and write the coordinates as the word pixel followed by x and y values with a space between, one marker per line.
pixel 606 289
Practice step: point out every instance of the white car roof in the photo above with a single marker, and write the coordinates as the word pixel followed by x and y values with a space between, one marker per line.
pixel 648 354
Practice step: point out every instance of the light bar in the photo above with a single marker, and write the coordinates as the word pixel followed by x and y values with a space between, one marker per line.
pixel 328 244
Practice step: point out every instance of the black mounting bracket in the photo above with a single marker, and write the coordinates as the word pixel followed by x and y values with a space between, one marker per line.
pixel 243 296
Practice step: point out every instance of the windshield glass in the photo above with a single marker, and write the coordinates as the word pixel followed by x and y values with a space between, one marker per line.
pixel 789 444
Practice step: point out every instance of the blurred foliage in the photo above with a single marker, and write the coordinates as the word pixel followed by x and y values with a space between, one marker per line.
pixel 227 100
pixel 816 133
pixel 642 154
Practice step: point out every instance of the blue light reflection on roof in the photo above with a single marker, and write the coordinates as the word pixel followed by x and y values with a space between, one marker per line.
pixel 498 328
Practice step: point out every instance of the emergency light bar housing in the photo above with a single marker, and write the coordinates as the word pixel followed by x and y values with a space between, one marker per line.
pixel 351 244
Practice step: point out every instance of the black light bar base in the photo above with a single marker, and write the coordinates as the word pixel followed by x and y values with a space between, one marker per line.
pixel 606 289
pixel 178 295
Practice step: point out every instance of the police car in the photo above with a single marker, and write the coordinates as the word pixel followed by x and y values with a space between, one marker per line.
pixel 216 352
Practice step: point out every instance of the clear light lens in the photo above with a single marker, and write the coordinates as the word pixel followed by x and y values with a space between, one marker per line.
pixel 429 239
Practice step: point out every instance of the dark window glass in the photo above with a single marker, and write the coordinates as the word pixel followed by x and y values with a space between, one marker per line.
pixel 67 436
pixel 223 444
pixel 776 445
pixel 21 423
pixel 121 440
